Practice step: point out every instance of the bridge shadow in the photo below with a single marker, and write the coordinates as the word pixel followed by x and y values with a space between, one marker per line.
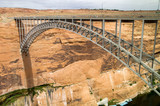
pixel 29 73
pixel 28 70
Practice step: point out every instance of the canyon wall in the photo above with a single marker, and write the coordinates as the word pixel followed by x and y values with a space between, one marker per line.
pixel 86 72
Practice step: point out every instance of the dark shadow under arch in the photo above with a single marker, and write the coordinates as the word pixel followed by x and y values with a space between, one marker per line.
pixel 28 70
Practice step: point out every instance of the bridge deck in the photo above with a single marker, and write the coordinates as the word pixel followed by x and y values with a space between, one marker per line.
pixel 90 17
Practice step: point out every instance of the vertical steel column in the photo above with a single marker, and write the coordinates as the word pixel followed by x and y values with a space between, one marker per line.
pixel 91 24
pixel 65 21
pixel 72 23
pixel 37 22
pixel 141 49
pixel 81 26
pixel 119 42
pixel 155 36
pixel 21 30
pixel 116 27
pixel 40 21
pixel 33 23
pixel 131 42
pixel 24 29
pixel 16 24
pixel 85 32
pixel 132 37
pixel 54 22
pixel 30 24
pixel 76 26
pixel 103 27
pixel 53 19
pixel 26 26
pixel 156 28
pixel 80 22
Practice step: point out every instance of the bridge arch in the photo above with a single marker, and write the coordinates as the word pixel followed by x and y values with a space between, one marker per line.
pixel 37 30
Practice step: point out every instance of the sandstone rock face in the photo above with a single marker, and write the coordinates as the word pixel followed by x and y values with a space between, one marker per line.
pixel 87 72
pixel 11 64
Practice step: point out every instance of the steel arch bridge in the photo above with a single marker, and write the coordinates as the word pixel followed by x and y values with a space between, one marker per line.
pixel 135 58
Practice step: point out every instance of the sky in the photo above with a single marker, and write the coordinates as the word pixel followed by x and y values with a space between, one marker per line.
pixel 83 4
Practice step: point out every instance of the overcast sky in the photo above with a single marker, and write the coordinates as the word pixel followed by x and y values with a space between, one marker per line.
pixel 82 4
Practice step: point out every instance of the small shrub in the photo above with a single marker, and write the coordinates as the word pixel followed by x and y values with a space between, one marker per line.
pixel 113 102
pixel 101 99
pixel 91 92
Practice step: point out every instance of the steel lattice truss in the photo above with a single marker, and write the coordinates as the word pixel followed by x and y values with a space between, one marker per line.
pixel 140 62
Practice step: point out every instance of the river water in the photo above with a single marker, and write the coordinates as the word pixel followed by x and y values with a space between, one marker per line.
pixel 148 99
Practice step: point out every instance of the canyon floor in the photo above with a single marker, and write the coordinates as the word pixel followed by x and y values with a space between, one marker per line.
pixel 87 72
